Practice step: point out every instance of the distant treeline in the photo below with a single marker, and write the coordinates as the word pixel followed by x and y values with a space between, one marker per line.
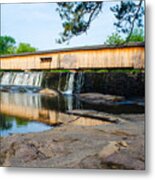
pixel 8 46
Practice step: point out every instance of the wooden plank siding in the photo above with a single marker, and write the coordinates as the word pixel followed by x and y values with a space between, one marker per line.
pixel 90 58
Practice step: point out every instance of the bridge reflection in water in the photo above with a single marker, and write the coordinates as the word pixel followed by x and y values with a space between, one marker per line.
pixel 45 109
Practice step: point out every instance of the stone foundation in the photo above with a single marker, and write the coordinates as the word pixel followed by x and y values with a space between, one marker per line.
pixel 115 83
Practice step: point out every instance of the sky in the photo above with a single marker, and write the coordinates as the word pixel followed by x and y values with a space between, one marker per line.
pixel 39 24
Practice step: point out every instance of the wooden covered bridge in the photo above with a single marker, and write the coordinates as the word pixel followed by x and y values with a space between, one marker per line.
pixel 88 57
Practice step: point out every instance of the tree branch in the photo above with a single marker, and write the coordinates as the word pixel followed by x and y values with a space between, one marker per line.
pixel 133 21
pixel 99 5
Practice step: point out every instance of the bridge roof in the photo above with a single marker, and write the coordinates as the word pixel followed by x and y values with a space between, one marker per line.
pixel 94 47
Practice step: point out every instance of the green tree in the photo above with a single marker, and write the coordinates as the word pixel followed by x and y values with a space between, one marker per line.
pixel 137 36
pixel 129 15
pixel 25 47
pixel 114 39
pixel 77 17
pixel 7 45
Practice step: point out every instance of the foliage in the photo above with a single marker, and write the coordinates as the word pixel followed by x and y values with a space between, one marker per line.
pixel 128 14
pixel 25 47
pixel 126 70
pixel 59 70
pixel 114 39
pixel 137 36
pixel 130 70
pixel 7 45
pixel 77 16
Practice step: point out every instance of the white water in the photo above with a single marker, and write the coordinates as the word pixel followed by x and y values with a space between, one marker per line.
pixel 69 87
pixel 73 81
pixel 22 79
pixel 79 82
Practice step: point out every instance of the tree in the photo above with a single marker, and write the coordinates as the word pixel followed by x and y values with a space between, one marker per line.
pixel 77 16
pixel 25 47
pixel 137 36
pixel 128 14
pixel 7 45
pixel 114 39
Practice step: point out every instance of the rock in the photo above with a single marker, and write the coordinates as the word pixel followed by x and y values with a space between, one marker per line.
pixel 47 91
pixel 123 144
pixel 97 115
pixel 111 148
pixel 97 98
pixel 70 146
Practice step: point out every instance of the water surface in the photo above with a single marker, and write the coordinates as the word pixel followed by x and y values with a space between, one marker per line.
pixel 28 111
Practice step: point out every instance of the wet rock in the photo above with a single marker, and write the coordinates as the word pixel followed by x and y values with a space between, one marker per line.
pixel 97 115
pixel 117 83
pixel 97 98
pixel 49 92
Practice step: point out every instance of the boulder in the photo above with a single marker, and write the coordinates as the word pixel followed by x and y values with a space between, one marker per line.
pixel 96 115
pixel 49 92
pixel 97 98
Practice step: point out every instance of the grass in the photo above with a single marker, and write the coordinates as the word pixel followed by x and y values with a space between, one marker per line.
pixel 59 70
pixel 125 70
pixel 114 70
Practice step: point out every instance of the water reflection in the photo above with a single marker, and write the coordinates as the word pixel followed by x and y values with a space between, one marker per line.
pixel 30 112
pixel 11 125
pixel 30 107
pixel 5 123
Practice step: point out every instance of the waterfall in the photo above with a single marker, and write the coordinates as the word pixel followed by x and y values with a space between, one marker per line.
pixel 22 79
pixel 59 83
pixel 73 83
pixel 6 78
pixel 69 86
pixel 79 82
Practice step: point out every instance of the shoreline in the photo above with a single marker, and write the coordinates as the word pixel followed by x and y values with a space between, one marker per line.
pixel 107 146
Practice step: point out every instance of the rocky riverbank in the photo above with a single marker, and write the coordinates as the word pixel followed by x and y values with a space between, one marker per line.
pixel 116 145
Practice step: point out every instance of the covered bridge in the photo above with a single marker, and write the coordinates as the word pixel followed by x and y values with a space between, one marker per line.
pixel 88 57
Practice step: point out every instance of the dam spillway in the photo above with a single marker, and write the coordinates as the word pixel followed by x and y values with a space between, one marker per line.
pixel 66 84
pixel 116 83
pixel 21 79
